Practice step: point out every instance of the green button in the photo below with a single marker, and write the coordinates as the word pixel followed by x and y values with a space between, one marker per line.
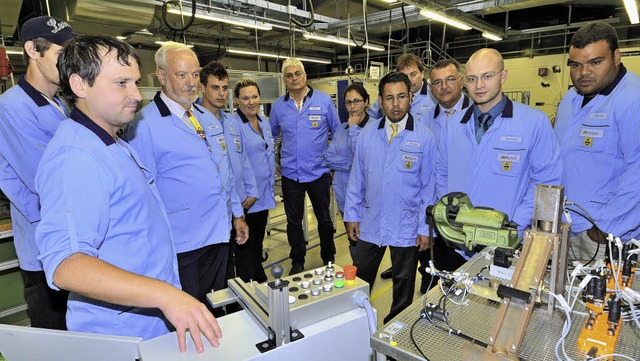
pixel 338 284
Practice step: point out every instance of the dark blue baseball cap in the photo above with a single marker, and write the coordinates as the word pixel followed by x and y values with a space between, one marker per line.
pixel 47 27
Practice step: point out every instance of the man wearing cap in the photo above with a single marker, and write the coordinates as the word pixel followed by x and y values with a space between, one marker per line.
pixel 29 116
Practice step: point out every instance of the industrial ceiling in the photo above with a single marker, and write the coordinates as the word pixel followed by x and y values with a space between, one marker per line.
pixel 527 28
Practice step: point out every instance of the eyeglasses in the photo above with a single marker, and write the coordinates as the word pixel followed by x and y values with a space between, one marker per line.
pixel 472 79
pixel 448 80
pixel 297 74
pixel 354 101
pixel 401 97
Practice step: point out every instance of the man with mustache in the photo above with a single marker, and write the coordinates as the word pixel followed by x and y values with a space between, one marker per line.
pixel 497 151
pixel 390 186
pixel 598 128
pixel 184 147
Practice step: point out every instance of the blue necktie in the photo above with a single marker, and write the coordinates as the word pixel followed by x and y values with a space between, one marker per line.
pixel 483 125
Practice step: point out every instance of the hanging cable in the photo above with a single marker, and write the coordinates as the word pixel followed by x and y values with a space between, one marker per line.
pixel 406 26
pixel 303 25
pixel 178 3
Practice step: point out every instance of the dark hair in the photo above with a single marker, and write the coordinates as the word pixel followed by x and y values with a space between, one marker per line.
pixel 41 45
pixel 357 87
pixel 394 77
pixel 594 32
pixel 408 59
pixel 243 83
pixel 443 63
pixel 83 55
pixel 214 68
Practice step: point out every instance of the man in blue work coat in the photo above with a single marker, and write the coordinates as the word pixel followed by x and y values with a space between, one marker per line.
pixel 104 233
pixel 497 151
pixel 598 128
pixel 29 116
pixel 390 186
pixel 184 147
pixel 305 117
pixel 423 101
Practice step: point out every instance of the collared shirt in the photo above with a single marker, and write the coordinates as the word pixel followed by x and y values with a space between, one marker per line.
pixel 100 200
pixel 177 110
pixel 601 153
pixel 301 103
pixel 495 112
pixel 402 124
pixel 28 120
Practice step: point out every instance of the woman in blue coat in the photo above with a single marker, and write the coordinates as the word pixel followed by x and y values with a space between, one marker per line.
pixel 339 154
pixel 260 149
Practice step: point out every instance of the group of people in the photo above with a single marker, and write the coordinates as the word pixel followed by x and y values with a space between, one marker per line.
pixel 124 220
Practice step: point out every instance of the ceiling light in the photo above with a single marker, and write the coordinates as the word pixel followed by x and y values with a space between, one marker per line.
pixel 389 1
pixel 14 52
pixel 444 19
pixel 120 37
pixel 339 40
pixel 247 23
pixel 164 42
pixel 632 11
pixel 491 36
pixel 271 55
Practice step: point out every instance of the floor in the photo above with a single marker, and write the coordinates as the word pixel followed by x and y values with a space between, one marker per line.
pixel 276 246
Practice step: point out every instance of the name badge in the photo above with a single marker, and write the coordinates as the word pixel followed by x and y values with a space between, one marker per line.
pixel 593 133
pixel 237 142
pixel 315 108
pixel 412 144
pixel 425 108
pixel 511 139
pixel 515 158
pixel 410 158
pixel 598 116
pixel 215 126
pixel 314 117
pixel 222 143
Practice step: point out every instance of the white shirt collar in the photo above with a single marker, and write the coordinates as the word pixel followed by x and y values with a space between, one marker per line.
pixel 175 108
pixel 401 125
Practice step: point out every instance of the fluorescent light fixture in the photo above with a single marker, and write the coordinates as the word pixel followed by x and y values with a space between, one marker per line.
pixel 163 42
pixel 14 52
pixel 443 19
pixel 338 40
pixel 270 55
pixel 632 11
pixel 491 36
pixel 389 1
pixel 120 37
pixel 247 23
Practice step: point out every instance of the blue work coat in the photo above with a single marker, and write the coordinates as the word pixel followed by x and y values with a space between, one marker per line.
pixel 435 118
pixel 245 181
pixel 339 156
pixel 260 150
pixel 391 185
pixel 305 134
pixel 27 122
pixel 601 151
pixel 98 199
pixel 194 178
pixel 516 154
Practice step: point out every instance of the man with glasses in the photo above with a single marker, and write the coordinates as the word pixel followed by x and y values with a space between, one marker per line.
pixel 390 186
pixel 411 65
pixel 497 151
pixel 598 128
pixel 305 117
pixel 445 82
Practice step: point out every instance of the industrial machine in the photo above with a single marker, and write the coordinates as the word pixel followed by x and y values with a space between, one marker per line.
pixel 321 314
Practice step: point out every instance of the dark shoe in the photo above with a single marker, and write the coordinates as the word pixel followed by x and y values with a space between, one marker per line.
pixel 387 274
pixel 296 268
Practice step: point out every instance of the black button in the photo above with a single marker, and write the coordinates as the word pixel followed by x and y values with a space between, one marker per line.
pixel 303 297
pixel 293 289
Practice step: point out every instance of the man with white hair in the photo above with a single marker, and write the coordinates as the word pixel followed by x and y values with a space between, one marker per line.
pixel 184 147
pixel 305 117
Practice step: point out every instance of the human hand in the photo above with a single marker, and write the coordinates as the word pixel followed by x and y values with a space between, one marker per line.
pixel 423 242
pixel 353 230
pixel 249 202
pixel 242 230
pixel 597 235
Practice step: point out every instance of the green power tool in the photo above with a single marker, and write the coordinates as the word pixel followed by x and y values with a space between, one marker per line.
pixel 458 221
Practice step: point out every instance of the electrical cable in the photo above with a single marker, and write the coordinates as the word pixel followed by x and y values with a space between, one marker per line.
pixel 178 3
pixel 415 344
pixel 592 221
pixel 300 24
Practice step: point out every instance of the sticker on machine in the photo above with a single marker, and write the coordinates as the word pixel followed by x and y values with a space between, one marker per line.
pixel 393 328
pixel 592 133
pixel 514 158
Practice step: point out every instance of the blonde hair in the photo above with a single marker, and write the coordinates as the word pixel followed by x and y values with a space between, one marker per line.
pixel 292 62
pixel 161 54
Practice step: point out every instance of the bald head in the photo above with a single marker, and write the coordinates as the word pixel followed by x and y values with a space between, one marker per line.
pixel 485 75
